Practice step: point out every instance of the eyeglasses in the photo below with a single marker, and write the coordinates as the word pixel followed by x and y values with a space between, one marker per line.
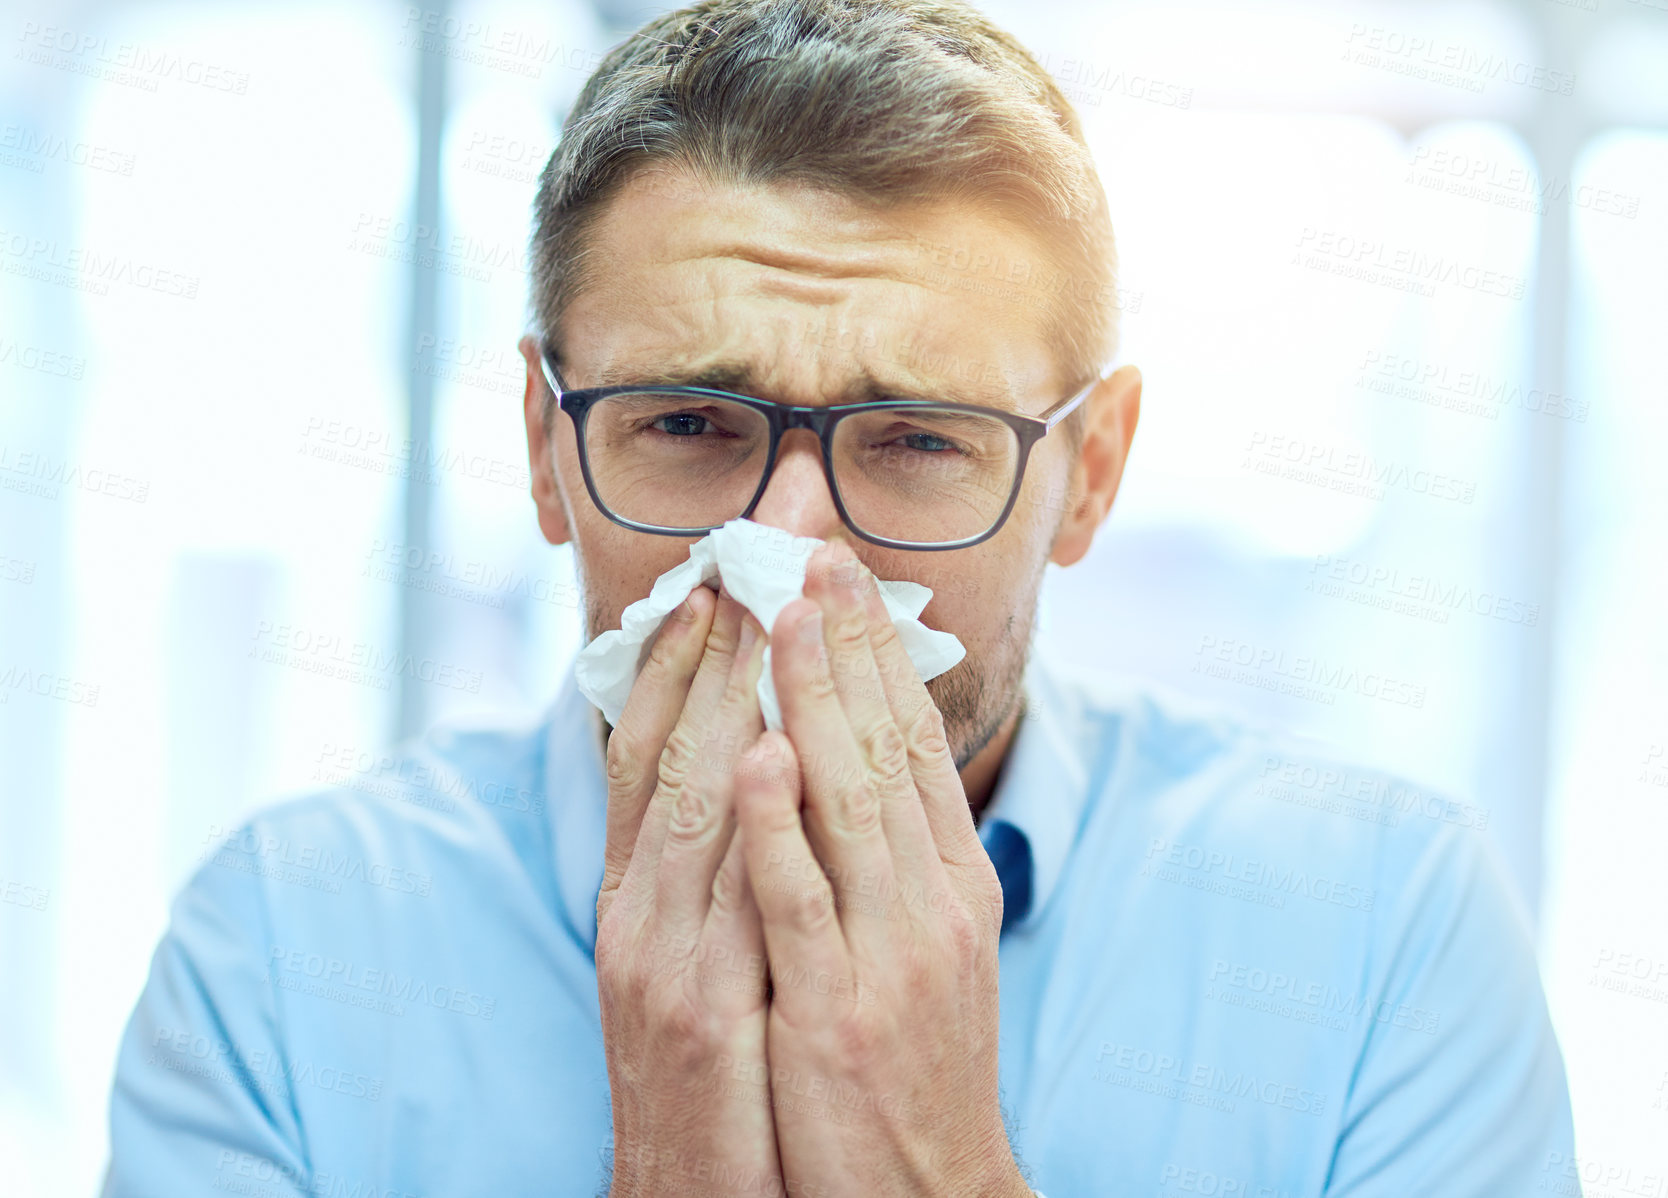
pixel 906 474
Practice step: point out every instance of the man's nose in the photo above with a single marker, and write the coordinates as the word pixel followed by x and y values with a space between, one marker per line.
pixel 796 498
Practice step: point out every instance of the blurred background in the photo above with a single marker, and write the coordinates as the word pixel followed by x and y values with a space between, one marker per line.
pixel 1396 276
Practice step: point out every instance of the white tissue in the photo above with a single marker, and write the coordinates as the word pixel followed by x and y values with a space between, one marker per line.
pixel 764 569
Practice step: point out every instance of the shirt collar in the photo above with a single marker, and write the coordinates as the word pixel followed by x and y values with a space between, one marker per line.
pixel 576 789
pixel 1031 821
pixel 1028 826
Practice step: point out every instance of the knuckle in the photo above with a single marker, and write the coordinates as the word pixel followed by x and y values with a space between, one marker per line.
pixel 678 757
pixel 691 818
pixel 886 751
pixel 926 730
pixel 966 937
pixel 675 1020
pixel 625 762
pixel 740 700
pixel 859 810
pixel 667 648
pixel 849 634
pixel 724 636
pixel 858 1040
pixel 915 979
pixel 729 891
pixel 819 682
pixel 616 963
pixel 884 636
pixel 811 909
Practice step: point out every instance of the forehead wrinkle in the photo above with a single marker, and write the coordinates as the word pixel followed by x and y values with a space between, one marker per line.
pixel 758 356
pixel 728 371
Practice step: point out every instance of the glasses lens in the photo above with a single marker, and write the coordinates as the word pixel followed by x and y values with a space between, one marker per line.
pixel 675 461
pixel 924 475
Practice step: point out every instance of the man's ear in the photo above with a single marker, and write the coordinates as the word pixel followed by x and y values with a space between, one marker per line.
pixel 541 450
pixel 1108 428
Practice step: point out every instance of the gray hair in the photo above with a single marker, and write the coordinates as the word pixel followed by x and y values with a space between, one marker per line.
pixel 890 100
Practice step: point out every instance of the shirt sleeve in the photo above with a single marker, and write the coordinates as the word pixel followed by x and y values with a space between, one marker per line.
pixel 201 1103
pixel 1460 1088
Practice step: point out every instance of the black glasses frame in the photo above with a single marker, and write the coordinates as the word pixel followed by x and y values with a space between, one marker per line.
pixel 820 420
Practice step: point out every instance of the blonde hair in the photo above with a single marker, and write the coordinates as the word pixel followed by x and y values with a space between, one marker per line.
pixel 893 100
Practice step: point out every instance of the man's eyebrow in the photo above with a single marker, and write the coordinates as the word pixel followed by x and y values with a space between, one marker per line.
pixel 739 378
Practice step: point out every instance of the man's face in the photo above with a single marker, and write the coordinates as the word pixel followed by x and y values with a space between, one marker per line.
pixel 818 298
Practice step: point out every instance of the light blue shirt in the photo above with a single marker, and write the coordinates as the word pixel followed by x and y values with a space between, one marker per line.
pixel 1228 970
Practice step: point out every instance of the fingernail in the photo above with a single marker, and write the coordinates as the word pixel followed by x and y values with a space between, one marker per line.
pixel 748 633
pixel 684 613
pixel 810 629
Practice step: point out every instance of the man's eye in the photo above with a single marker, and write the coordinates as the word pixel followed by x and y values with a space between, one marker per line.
pixel 682 424
pixel 927 442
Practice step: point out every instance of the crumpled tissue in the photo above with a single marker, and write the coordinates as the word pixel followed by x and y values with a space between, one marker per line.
pixel 764 569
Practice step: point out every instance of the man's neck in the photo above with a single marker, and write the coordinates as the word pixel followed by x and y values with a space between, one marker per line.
pixel 980 776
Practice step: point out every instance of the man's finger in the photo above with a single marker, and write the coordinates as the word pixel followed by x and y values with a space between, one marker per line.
pixel 701 818
pixel 801 929
pixel 943 798
pixel 864 659
pixel 689 736
pixel 842 802
pixel 651 710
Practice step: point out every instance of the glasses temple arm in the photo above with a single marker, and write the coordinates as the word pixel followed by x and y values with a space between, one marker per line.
pixel 1067 406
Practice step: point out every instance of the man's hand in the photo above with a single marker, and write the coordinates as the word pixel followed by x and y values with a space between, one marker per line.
pixel 680 951
pixel 883 1021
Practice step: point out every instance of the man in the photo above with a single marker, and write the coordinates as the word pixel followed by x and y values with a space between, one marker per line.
pixel 685 955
